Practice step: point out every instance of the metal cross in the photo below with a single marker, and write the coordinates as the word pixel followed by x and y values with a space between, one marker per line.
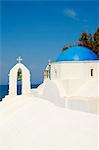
pixel 19 59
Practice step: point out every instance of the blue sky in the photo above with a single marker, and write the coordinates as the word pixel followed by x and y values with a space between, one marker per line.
pixel 38 30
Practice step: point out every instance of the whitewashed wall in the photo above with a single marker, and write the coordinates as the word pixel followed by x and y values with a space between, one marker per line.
pixel 76 77
pixel 98 80
pixel 55 71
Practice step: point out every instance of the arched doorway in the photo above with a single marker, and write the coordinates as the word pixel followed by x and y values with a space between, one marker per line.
pixel 19 81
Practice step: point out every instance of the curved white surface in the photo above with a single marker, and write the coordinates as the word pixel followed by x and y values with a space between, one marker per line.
pixel 37 123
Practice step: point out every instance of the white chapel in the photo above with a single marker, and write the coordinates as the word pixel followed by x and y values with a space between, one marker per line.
pixel 70 81
pixel 61 112
pixel 73 79
pixel 77 69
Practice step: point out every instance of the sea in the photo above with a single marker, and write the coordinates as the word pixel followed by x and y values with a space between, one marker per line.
pixel 4 90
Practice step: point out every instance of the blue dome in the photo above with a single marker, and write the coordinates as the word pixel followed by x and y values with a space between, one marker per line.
pixel 77 53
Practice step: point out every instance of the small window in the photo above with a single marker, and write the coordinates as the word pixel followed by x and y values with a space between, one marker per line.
pixel 92 72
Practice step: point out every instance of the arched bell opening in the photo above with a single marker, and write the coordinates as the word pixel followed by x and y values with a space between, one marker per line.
pixel 19 82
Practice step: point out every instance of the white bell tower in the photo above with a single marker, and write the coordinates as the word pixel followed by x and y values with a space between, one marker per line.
pixel 13 75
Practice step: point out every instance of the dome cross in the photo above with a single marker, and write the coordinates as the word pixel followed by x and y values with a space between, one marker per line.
pixel 19 59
